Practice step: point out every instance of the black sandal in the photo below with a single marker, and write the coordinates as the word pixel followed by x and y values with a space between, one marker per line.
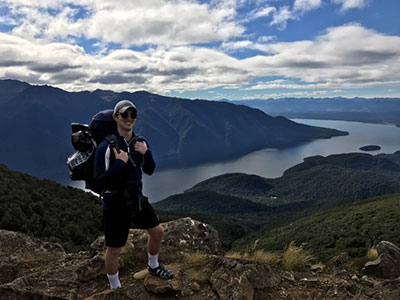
pixel 161 272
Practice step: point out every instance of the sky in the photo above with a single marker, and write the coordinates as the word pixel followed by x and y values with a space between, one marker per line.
pixel 233 49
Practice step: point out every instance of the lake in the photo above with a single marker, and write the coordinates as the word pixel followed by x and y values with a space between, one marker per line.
pixel 271 163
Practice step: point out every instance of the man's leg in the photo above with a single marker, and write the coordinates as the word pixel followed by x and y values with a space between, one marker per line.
pixel 153 247
pixel 111 264
pixel 154 239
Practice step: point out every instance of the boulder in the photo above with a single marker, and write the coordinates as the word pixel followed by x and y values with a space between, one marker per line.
pixel 387 265
pixel 180 236
pixel 238 279
pixel 157 285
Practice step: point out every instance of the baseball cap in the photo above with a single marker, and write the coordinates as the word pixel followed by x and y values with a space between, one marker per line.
pixel 122 106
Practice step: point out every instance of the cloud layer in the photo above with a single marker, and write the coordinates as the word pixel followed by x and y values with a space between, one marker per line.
pixel 184 45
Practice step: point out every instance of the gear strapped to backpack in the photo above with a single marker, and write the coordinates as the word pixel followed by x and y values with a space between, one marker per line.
pixel 85 139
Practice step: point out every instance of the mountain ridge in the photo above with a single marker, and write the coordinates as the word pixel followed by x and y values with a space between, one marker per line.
pixel 317 184
pixel 180 132
pixel 375 110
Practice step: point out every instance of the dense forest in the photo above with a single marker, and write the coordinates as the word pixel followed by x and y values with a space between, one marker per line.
pixel 48 210
pixel 350 228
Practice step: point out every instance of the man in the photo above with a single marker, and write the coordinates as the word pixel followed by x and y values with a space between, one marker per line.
pixel 118 174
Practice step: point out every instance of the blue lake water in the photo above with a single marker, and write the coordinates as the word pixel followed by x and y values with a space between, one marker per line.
pixel 271 163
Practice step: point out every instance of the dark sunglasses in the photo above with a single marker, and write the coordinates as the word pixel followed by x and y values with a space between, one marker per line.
pixel 132 114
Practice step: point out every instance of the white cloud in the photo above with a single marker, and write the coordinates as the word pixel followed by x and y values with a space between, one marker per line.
pixel 265 12
pixel 306 5
pixel 341 57
pixel 158 22
pixel 349 4
pixel 281 15
pixel 343 54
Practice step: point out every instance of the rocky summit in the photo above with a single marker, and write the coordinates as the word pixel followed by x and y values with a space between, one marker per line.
pixel 35 269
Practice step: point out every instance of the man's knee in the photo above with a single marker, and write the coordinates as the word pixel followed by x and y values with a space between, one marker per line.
pixel 114 252
pixel 156 232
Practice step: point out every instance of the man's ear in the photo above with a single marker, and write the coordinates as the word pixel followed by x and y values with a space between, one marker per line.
pixel 115 117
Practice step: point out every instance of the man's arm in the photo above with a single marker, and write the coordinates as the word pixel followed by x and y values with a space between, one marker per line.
pixel 106 176
pixel 149 164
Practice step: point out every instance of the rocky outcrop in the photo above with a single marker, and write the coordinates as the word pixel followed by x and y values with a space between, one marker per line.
pixel 33 269
pixel 387 265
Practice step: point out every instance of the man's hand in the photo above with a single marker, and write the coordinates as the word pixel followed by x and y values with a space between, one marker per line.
pixel 141 147
pixel 122 155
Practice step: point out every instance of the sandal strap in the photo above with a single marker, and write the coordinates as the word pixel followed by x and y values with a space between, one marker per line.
pixel 161 272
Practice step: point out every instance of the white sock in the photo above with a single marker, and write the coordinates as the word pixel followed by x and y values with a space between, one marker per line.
pixel 114 281
pixel 153 261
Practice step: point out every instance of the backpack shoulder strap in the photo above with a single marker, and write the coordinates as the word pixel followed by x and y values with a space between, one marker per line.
pixel 113 141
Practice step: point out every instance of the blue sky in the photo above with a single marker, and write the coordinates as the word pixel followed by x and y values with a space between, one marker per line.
pixel 234 49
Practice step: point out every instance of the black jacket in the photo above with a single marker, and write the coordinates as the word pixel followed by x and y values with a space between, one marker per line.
pixel 119 180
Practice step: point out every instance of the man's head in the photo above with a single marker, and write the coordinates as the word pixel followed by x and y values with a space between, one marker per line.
pixel 123 105
pixel 125 114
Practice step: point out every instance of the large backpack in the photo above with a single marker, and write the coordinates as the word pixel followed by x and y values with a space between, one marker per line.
pixel 85 139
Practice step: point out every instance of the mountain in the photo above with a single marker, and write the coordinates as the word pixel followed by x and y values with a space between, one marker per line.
pixel 35 127
pixel 317 184
pixel 350 228
pixel 376 110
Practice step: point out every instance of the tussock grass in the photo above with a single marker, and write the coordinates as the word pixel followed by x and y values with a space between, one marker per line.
pixel 372 253
pixel 265 257
pixel 196 258
pixel 258 256
pixel 234 255
pixel 358 263
pixel 296 258
pixel 199 276
pixel 318 266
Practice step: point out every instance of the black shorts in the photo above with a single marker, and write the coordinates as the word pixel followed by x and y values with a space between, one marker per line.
pixel 116 223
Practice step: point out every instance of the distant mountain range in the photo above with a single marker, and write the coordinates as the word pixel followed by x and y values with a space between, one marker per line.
pixel 35 127
pixel 376 110
pixel 317 184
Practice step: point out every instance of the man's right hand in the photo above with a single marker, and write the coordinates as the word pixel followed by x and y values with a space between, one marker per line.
pixel 122 155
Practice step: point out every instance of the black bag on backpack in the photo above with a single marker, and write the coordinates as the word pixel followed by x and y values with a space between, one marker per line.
pixel 85 139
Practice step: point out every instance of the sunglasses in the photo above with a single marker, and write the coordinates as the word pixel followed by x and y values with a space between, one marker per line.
pixel 132 114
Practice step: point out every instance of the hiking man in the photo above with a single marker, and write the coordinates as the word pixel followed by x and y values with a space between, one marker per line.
pixel 118 174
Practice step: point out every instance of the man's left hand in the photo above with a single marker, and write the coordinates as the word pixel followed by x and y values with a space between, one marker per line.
pixel 141 147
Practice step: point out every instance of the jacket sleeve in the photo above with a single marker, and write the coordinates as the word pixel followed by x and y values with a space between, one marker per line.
pixel 149 165
pixel 106 176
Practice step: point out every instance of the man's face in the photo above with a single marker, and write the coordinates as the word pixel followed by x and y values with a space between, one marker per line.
pixel 126 120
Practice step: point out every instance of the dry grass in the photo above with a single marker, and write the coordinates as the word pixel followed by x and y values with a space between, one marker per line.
pixel 372 253
pixel 319 265
pixel 196 259
pixel 234 255
pixel 265 257
pixel 259 256
pixel 296 258
pixel 358 263
pixel 198 275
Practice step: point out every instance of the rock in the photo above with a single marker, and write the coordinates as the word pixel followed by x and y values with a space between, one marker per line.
pixel 238 279
pixel 91 269
pixel 157 285
pixel 180 236
pixel 339 262
pixel 141 274
pixel 117 294
pixel 388 263
pixel 33 269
